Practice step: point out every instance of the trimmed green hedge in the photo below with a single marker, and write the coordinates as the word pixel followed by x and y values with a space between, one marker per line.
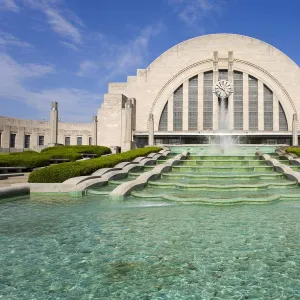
pixel 64 171
pixel 74 152
pixel 24 159
pixel 32 159
pixel 295 150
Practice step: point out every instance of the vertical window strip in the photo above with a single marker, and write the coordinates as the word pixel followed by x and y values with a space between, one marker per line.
pixel 238 100
pixel 253 103
pixel 208 100
pixel 193 103
pixel 223 74
pixel 268 108
pixel 177 108
pixel 283 126
pixel 163 123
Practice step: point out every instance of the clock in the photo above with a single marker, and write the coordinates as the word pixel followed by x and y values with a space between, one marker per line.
pixel 223 89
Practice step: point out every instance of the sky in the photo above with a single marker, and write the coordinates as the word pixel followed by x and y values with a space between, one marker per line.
pixel 68 50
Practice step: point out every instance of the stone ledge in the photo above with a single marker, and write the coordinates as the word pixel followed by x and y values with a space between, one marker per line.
pixel 14 191
pixel 127 187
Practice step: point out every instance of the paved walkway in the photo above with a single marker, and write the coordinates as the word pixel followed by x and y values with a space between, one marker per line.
pixel 12 180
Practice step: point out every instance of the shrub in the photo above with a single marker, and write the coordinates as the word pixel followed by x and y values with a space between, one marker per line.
pixel 23 159
pixel 32 159
pixel 64 171
pixel 74 152
pixel 295 150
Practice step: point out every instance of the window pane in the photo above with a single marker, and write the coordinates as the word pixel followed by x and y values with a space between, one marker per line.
pixel 177 109
pixel 41 140
pixel 193 103
pixel 208 100
pixel 283 126
pixel 238 99
pixel 12 140
pixel 268 108
pixel 253 103
pixel 79 140
pixel 163 123
pixel 27 141
pixel 67 141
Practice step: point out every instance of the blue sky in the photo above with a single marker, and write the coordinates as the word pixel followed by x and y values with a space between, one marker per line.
pixel 68 50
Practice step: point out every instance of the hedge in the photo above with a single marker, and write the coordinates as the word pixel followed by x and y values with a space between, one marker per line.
pixel 74 152
pixel 64 171
pixel 295 150
pixel 32 159
pixel 24 159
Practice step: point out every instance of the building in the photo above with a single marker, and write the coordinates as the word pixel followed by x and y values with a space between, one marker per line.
pixel 177 99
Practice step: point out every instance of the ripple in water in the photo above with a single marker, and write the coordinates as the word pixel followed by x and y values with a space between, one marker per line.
pixel 92 249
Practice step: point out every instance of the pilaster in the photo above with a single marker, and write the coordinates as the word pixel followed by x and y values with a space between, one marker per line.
pixel 230 97
pixel 34 138
pixel 215 98
pixel 151 130
pixel 6 136
pixel 20 138
pixel 295 130
pixel 94 130
pixel 54 123
pixel 127 126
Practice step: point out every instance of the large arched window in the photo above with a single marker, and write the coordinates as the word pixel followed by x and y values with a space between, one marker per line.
pixel 208 100
pixel 193 103
pixel 238 99
pixel 253 103
pixel 268 108
pixel 177 109
pixel 163 122
pixel 283 126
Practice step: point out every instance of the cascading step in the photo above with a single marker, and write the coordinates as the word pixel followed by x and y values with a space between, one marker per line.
pixel 232 187
pixel 178 175
pixel 214 201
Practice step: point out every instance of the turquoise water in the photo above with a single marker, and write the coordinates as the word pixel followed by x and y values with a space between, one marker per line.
pixel 91 248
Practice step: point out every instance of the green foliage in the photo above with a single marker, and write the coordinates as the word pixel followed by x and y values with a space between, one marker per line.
pixel 24 159
pixel 32 159
pixel 74 152
pixel 295 150
pixel 64 171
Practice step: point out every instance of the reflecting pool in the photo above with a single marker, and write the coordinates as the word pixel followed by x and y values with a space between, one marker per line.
pixel 92 248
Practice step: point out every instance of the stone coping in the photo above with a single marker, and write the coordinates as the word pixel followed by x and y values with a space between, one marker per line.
pixel 14 191
pixel 211 201
pixel 76 186
pixel 125 188
pixel 279 167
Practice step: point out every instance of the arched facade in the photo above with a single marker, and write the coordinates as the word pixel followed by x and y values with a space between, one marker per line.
pixel 178 90
pixel 175 97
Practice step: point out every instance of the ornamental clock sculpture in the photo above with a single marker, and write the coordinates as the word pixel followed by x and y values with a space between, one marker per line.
pixel 223 89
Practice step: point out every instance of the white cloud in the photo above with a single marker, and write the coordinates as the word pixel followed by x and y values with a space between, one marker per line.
pixel 70 46
pixel 191 12
pixel 119 58
pixel 75 104
pixel 87 68
pixel 7 39
pixel 9 5
pixel 65 26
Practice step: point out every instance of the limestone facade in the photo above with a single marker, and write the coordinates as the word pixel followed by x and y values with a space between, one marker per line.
pixel 173 99
pixel 242 58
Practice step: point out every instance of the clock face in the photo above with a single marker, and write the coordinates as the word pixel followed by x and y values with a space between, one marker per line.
pixel 223 89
